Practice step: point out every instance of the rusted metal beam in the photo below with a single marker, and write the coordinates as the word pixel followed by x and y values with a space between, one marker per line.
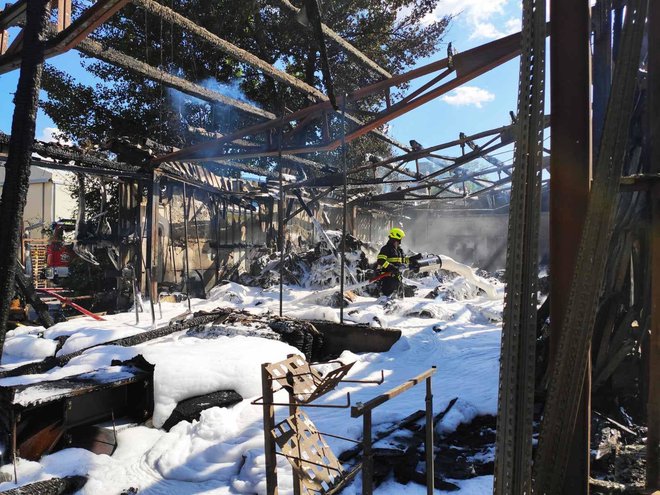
pixel 570 177
pixel 653 406
pixel 4 41
pixel 571 362
pixel 16 45
pixel 336 38
pixel 472 62
pixel 63 14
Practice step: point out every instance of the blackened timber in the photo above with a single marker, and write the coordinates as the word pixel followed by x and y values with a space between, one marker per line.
pixel 17 177
pixel 352 50
pixel 67 154
pixel 248 58
pixel 230 49
pixel 52 486
pixel 89 20
pixel 52 362
pixel 119 59
pixel 25 287
pixel 488 56
pixel 199 131
pixel 13 14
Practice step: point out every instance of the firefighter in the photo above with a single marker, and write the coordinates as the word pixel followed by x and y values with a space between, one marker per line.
pixel 392 261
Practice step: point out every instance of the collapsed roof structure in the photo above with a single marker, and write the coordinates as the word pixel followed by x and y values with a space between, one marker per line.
pixel 156 183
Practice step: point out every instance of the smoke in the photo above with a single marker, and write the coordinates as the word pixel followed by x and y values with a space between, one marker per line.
pixel 201 113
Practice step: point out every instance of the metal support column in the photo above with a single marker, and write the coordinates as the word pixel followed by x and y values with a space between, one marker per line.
pixel 367 456
pixel 570 176
pixel 269 424
pixel 602 65
pixel 430 471
pixel 281 245
pixel 152 239
pixel 653 407
pixel 343 213
pixel 185 243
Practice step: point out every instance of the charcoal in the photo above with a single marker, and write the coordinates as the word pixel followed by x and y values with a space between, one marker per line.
pixel 191 409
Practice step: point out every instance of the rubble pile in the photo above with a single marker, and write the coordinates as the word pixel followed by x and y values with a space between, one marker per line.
pixel 618 451
pixel 466 452
pixel 302 335
pixel 315 268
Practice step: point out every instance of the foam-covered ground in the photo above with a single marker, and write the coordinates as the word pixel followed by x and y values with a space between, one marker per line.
pixel 222 453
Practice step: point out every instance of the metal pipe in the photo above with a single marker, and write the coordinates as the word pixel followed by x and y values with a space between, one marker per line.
pixel 280 220
pixel 343 212
pixel 428 447
pixel 185 243
pixel 367 457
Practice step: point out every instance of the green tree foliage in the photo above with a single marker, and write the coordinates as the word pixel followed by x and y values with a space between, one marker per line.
pixel 391 32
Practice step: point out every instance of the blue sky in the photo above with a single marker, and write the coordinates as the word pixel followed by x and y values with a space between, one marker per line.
pixel 481 104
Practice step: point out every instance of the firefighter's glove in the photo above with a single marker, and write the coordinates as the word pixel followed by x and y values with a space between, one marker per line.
pixel 415 258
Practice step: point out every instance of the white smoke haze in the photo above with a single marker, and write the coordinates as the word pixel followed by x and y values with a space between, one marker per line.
pixel 179 100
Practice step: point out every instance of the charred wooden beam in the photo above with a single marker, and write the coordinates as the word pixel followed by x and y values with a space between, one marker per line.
pixel 83 162
pixel 13 14
pixel 469 65
pixel 17 178
pixel 336 38
pixel 248 58
pixel 52 362
pixel 70 37
pixel 114 57
pixel 226 47
pixel 25 287
pixel 296 160
pixel 52 486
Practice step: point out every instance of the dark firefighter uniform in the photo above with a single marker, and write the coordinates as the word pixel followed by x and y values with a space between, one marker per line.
pixel 391 260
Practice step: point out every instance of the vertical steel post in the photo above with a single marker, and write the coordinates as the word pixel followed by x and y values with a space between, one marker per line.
pixel 280 221
pixel 570 176
pixel 153 189
pixel 653 406
pixel 430 475
pixel 367 456
pixel 269 424
pixel 602 65
pixel 343 212
pixel 14 452
pixel 293 411
pixel 185 242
